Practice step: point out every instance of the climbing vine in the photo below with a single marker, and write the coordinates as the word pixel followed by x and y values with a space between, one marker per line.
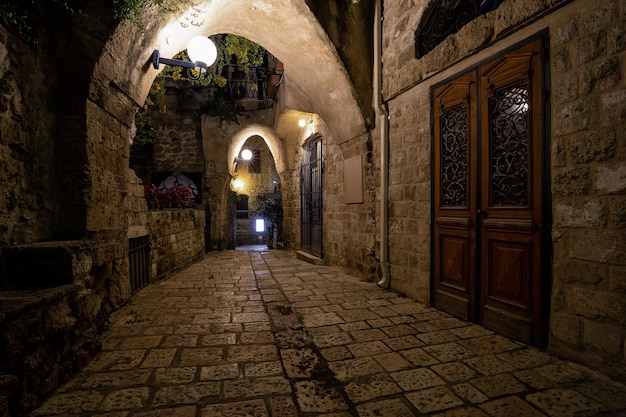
pixel 19 16
pixel 131 9
pixel 234 52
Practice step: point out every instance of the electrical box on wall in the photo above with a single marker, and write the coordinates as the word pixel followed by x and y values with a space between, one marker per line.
pixel 353 179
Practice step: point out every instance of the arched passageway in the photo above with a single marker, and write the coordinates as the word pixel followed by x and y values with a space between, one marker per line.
pixel 314 79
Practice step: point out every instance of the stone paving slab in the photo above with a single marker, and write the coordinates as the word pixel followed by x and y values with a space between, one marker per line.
pixel 265 334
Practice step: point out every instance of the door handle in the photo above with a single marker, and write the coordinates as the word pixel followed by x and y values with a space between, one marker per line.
pixel 481 213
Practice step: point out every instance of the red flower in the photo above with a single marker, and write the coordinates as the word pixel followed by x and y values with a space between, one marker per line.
pixel 180 196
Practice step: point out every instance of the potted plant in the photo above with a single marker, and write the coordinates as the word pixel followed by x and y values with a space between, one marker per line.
pixel 271 209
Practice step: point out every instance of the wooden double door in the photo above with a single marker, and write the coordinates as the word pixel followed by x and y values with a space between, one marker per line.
pixel 488 208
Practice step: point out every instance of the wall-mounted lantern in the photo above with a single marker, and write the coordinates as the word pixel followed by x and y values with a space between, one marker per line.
pixel 201 50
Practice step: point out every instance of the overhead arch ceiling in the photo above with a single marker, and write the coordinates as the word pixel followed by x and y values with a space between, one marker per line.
pixel 316 81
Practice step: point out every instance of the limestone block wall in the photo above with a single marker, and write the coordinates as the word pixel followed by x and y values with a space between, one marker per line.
pixel 45 337
pixel 178 143
pixel 349 228
pixel 27 173
pixel 587 162
pixel 176 235
pixel 588 51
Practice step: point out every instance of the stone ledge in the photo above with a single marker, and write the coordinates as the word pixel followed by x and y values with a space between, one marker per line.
pixel 14 304
pixel 45 264
pixel 309 258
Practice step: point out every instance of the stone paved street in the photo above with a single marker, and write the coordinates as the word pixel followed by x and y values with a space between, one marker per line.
pixel 265 334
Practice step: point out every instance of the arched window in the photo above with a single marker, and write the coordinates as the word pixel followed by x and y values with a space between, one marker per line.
pixel 445 17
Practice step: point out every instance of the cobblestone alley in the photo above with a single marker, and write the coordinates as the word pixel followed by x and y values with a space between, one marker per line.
pixel 265 334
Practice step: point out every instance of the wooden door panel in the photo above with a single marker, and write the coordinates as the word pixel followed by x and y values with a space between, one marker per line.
pixel 454 207
pixel 516 327
pixel 509 271
pixel 511 156
pixel 487 195
pixel 453 264
pixel 455 251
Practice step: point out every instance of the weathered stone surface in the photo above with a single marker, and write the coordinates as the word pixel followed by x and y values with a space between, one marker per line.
pixel 574 117
pixel 370 387
pixel 597 146
pixel 390 408
pixel 498 385
pixel 581 213
pixel 565 88
pixel 604 337
pixel 510 406
pixel 602 76
pixel 416 379
pixel 611 178
pixel 185 394
pixel 596 305
pixel 588 47
pixel 599 246
pixel 314 396
pixel 433 399
pixel 553 402
pixel 574 181
pixel 567 327
pixel 252 408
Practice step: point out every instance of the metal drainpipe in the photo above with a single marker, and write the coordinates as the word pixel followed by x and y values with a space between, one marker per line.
pixel 383 114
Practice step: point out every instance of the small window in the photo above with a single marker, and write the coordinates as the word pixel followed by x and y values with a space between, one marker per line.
pixel 242 206
pixel 444 17
pixel 259 225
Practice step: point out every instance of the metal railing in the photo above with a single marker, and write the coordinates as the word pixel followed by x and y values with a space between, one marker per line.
pixel 139 262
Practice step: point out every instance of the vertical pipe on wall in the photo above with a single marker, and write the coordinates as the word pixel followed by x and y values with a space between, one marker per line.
pixel 383 116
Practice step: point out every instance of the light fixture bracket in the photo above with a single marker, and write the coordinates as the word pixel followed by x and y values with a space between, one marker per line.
pixel 156 60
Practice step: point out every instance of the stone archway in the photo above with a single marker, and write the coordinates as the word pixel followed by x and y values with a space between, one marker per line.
pixel 272 141
pixel 123 75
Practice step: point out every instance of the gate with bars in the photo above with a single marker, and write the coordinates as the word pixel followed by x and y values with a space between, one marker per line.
pixel 139 262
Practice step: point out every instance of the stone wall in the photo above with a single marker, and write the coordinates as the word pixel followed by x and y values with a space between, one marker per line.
pixel 178 143
pixel 588 51
pixel 588 151
pixel 45 337
pixel 349 228
pixel 176 235
pixel 27 173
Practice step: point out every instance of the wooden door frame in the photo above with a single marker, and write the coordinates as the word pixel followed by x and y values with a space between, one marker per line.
pixel 545 163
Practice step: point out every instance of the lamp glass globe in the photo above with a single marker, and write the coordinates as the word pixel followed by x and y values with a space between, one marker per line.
pixel 202 49
pixel 246 154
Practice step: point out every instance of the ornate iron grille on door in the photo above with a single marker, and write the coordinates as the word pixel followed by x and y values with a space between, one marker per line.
pixel 311 198
pixel 489 220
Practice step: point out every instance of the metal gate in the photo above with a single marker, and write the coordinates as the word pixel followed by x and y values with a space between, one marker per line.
pixel 311 198
pixel 139 262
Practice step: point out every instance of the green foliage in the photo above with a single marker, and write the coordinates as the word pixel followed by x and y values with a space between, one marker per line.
pixel 131 9
pixel 232 52
pixel 141 151
pixel 19 16
pixel 271 209
pixel 145 133
pixel 245 52
pixel 220 106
